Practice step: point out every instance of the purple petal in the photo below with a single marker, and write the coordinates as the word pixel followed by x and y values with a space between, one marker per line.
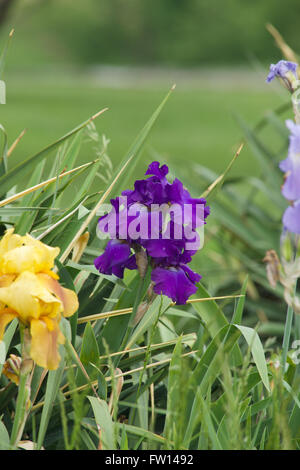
pixel 116 257
pixel 159 172
pixel 173 283
pixel 163 248
pixel 281 69
pixel 291 218
pixel 291 186
pixel 194 277
pixel 175 192
pixel 294 146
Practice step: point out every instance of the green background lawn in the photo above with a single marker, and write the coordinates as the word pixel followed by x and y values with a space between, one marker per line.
pixel 198 124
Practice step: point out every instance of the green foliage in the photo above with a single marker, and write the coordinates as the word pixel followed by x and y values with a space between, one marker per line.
pixel 190 377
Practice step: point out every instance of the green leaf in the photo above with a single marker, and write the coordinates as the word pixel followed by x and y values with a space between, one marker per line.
pixel 53 384
pixel 2 353
pixel 7 338
pixel 174 393
pixel 264 157
pixel 209 311
pixel 158 307
pixel 24 167
pixel 137 431
pixel 208 423
pixel 4 52
pixel 89 355
pixel 237 317
pixel 213 317
pixel 257 351
pixel 210 364
pixel 3 157
pixel 105 423
pixel 4 438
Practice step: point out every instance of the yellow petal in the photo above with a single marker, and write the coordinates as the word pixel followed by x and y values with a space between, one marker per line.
pixel 9 241
pixel 30 298
pixel 44 344
pixel 67 296
pixel 7 279
pixel 18 254
pixel 6 316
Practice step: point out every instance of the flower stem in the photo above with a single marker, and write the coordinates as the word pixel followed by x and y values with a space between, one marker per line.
pixel 151 333
pixel 21 410
pixel 286 336
pixel 23 399
pixel 137 302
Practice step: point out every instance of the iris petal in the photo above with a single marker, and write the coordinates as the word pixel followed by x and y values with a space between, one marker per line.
pixel 174 283
pixel 291 218
pixel 45 342
pixel 27 296
pixel 18 254
pixel 116 257
pixel 67 297
pixel 6 316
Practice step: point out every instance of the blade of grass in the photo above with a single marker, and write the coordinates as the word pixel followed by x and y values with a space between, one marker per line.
pixel 11 177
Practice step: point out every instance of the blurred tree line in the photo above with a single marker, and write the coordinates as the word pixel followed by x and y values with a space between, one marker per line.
pixel 169 32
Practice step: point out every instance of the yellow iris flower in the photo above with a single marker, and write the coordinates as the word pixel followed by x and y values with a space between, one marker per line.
pixel 29 291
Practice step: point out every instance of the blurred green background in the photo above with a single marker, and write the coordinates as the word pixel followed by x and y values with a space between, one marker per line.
pixel 70 58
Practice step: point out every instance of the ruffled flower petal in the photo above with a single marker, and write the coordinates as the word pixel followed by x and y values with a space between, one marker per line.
pixel 156 170
pixel 7 279
pixel 163 248
pixel 291 186
pixel 67 297
pixel 174 283
pixel 281 69
pixel 6 316
pixel 29 298
pixel 45 339
pixel 18 254
pixel 116 257
pixel 291 165
pixel 291 218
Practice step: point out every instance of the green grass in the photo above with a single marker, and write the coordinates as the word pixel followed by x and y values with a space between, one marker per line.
pixel 214 384
pixel 198 125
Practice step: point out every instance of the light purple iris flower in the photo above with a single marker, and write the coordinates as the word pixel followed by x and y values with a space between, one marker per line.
pixel 281 69
pixel 291 165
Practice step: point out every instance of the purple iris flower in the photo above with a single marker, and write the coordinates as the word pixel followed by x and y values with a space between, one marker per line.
pixel 291 165
pixel 281 70
pixel 160 218
pixel 116 257
pixel 291 218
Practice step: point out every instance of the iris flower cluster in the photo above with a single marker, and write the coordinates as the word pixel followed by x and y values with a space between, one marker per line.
pixel 287 269
pixel 287 72
pixel 155 224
